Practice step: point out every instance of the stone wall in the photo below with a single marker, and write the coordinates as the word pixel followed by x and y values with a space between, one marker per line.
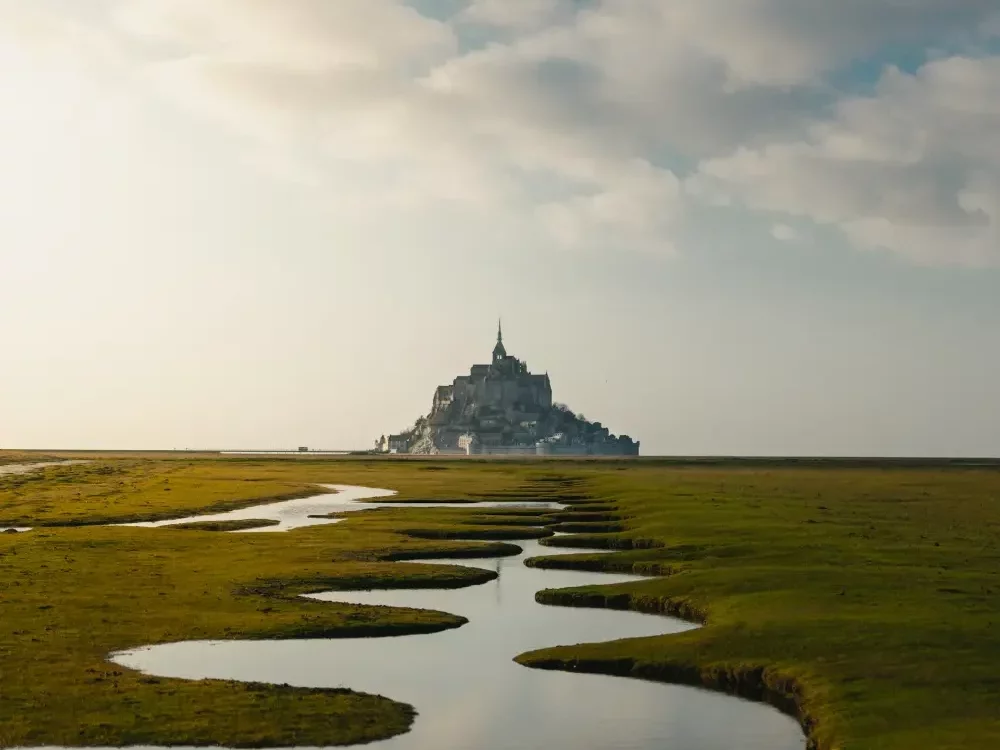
pixel 505 450
pixel 595 449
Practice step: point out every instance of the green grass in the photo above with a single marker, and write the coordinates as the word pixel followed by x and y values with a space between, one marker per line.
pixel 24 457
pixel 864 598
pixel 71 595
pixel 150 489
pixel 238 525
pixel 867 600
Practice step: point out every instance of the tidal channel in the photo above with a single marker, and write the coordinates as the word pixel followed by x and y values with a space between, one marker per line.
pixel 464 684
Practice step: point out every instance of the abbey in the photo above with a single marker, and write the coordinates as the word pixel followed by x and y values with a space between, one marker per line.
pixel 502 408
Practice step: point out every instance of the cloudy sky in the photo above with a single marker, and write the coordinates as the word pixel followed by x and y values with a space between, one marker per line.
pixel 722 226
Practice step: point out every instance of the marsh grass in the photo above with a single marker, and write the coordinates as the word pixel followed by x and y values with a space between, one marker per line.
pixel 71 595
pixel 865 598
pixel 236 525
pixel 148 489
pixel 24 457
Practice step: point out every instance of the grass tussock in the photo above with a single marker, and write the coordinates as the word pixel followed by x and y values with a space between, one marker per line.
pixel 588 527
pixel 467 531
pixel 239 525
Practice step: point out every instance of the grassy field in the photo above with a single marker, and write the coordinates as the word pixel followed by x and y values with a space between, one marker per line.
pixel 865 599
pixel 120 490
pixel 70 595
pixel 24 457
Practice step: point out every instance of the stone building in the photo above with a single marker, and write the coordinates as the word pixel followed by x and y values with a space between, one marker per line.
pixel 398 443
pixel 503 408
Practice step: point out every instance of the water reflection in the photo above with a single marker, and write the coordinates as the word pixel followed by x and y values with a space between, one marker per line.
pixel 290 514
pixel 9 469
pixel 308 511
pixel 470 694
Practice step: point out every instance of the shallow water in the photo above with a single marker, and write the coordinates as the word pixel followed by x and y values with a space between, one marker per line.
pixel 8 469
pixel 15 469
pixel 467 690
pixel 296 514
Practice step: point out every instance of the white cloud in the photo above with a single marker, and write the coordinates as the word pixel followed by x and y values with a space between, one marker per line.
pixel 54 98
pixel 914 169
pixel 582 116
pixel 784 233
pixel 300 35
pixel 767 42
pixel 481 129
pixel 793 41
pixel 638 207
pixel 32 40
pixel 521 15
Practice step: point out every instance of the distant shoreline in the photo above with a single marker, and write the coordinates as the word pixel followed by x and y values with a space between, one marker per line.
pixel 971 462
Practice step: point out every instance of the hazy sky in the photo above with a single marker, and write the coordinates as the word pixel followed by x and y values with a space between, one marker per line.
pixel 722 226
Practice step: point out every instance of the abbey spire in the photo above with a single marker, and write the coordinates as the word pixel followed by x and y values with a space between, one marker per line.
pixel 499 352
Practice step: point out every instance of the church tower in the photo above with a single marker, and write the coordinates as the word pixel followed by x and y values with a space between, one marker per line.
pixel 499 352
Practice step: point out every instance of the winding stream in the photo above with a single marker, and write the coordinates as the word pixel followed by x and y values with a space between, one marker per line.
pixel 467 690
pixel 313 511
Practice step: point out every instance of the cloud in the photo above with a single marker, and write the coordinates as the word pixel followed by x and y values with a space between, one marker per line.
pixel 33 40
pixel 508 127
pixel 525 14
pixel 53 86
pixel 784 233
pixel 639 205
pixel 583 120
pixel 300 35
pixel 914 168
pixel 786 42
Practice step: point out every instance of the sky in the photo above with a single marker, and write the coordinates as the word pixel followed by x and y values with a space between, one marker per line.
pixel 736 227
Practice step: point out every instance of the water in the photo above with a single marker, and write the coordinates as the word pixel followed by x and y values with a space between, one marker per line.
pixel 14 469
pixel 464 684
pixel 8 469
pixel 296 514
pixel 467 690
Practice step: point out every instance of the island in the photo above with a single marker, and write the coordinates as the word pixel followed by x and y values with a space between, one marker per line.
pixel 502 408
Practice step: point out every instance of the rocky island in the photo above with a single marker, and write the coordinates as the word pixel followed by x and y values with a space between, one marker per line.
pixel 504 409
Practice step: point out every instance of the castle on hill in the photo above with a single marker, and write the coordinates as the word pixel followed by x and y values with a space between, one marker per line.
pixel 502 408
